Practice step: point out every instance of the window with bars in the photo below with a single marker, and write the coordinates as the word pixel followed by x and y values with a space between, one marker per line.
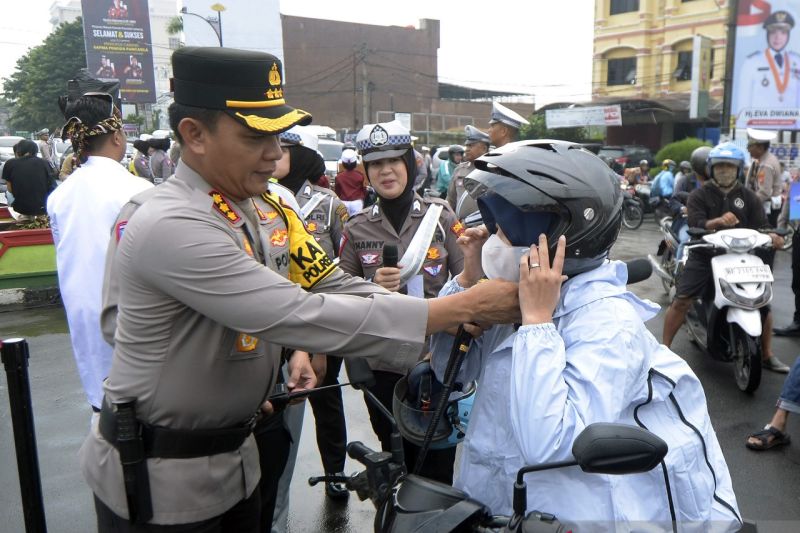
pixel 683 71
pixel 624 6
pixel 622 71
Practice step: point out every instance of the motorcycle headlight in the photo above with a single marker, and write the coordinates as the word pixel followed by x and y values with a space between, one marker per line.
pixel 739 244
pixel 750 303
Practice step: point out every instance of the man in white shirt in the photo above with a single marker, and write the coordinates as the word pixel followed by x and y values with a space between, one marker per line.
pixel 82 213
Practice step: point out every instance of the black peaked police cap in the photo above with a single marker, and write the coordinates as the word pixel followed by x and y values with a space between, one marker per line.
pixel 247 85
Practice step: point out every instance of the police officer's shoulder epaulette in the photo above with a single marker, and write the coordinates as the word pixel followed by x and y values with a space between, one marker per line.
pixel 142 197
pixel 324 190
pixel 434 200
pixel 754 54
pixel 361 216
pixel 224 208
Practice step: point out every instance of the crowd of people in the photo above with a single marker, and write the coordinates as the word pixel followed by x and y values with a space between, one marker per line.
pixel 242 272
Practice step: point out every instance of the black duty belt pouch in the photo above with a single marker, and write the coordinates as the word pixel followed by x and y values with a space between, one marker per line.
pixel 171 443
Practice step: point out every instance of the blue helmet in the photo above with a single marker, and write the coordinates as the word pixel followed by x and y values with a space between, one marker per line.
pixel 416 396
pixel 726 152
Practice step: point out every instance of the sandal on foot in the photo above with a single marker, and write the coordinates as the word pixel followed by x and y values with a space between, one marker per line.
pixel 764 443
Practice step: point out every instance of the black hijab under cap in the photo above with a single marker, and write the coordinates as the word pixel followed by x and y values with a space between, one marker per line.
pixel 304 164
pixel 396 209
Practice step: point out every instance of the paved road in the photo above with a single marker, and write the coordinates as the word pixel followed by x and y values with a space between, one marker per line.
pixel 767 485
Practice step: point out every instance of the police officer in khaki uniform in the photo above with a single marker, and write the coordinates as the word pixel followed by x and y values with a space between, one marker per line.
pixel 504 125
pixel 298 170
pixel 477 144
pixel 398 219
pixel 203 313
pixel 764 175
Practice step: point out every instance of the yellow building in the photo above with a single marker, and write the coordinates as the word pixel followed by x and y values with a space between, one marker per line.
pixel 643 62
pixel 643 48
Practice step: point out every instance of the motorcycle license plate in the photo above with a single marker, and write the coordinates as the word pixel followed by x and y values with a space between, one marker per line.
pixel 748 274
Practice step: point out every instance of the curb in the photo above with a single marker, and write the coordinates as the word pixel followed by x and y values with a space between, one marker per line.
pixel 13 299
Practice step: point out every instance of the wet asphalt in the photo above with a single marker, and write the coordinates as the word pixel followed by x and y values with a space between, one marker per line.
pixel 767 484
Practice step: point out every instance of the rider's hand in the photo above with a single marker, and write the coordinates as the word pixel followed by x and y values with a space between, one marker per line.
pixel 319 363
pixel 777 241
pixel 388 278
pixel 471 242
pixel 729 220
pixel 539 283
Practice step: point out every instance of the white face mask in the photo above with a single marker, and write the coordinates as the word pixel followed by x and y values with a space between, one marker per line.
pixel 500 260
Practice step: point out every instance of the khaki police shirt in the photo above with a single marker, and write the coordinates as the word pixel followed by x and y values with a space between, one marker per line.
pixel 326 221
pixel 462 203
pixel 764 176
pixel 368 231
pixel 200 324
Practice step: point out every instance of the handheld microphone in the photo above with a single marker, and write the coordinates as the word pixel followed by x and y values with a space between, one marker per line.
pixel 390 259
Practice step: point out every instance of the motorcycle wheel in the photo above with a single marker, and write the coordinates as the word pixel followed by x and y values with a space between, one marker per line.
pixel 632 215
pixel 668 264
pixel 746 359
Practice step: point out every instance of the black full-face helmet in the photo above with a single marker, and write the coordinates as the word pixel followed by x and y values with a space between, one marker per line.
pixel 556 188
pixel 699 161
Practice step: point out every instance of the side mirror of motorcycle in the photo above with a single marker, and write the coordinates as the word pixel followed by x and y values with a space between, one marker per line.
pixel 617 449
pixel 359 373
pixel 601 448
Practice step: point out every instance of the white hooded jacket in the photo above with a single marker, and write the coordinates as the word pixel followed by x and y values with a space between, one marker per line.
pixel 540 386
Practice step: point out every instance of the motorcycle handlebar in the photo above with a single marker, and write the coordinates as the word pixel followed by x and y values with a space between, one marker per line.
pixel 358 450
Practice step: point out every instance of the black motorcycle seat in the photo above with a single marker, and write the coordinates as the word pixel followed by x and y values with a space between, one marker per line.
pixel 418 494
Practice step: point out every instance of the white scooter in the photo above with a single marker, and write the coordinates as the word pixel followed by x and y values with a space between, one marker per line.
pixel 726 321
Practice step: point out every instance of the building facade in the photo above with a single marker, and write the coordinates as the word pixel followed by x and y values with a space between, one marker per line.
pixel 643 56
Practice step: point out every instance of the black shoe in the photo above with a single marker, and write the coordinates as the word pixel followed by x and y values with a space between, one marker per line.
pixel 792 330
pixel 336 490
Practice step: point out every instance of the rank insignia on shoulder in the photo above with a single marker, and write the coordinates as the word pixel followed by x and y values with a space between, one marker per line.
pixel 375 210
pixel 433 270
pixel 417 208
pixel 222 206
pixel 120 229
pixel 341 212
pixel 248 248
pixel 458 229
pixel 272 215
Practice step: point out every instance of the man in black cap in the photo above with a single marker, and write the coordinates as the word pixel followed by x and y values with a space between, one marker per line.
pixel 201 312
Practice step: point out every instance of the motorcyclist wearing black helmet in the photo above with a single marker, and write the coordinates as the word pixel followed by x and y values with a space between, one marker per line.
pixel 581 355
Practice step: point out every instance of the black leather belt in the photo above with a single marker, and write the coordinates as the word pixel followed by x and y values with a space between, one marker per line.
pixel 171 443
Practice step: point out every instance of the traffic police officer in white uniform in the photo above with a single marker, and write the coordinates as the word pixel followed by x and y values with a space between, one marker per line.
pixel 771 77
pixel 202 316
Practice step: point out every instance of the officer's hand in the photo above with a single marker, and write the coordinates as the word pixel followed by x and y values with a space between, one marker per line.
pixel 729 220
pixel 777 241
pixel 539 283
pixel 388 278
pixel 495 301
pixel 471 242
pixel 301 373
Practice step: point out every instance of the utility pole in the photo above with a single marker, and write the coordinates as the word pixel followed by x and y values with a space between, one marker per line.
pixel 355 92
pixel 364 86
pixel 727 82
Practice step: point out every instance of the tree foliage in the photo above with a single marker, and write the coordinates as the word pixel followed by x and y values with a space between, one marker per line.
pixel 679 150
pixel 41 77
pixel 537 129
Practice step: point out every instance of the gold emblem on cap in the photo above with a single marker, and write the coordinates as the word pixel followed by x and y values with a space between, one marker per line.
pixel 274 75
pixel 780 16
